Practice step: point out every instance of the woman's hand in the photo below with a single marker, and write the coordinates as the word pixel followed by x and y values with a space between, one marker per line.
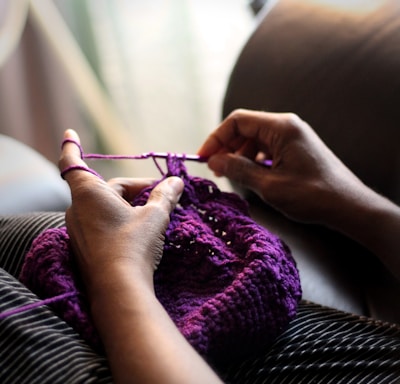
pixel 118 248
pixel 105 229
pixel 305 181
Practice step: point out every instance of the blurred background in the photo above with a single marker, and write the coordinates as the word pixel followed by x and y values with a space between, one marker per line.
pixel 130 76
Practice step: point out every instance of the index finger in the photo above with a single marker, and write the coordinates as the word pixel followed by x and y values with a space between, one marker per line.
pixel 238 127
pixel 71 158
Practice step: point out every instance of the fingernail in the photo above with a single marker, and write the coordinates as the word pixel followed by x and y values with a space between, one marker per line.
pixel 176 183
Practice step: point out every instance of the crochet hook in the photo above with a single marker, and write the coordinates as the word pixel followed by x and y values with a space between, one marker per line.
pixel 147 155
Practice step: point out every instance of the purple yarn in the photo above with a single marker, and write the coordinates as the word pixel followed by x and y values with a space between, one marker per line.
pixel 49 270
pixel 230 285
pixel 36 304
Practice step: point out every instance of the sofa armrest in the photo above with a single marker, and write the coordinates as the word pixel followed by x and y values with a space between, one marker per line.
pixel 28 181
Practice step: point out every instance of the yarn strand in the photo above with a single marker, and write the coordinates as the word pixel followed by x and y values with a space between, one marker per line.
pixel 145 155
pixel 36 304
pixel 228 284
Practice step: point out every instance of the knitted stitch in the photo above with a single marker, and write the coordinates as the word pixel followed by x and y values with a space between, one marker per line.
pixel 229 284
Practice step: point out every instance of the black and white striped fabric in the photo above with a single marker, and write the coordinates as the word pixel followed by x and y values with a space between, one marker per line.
pixel 17 233
pixel 36 346
pixel 322 345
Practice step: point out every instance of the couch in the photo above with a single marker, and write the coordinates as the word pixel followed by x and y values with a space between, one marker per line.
pixel 29 181
pixel 337 65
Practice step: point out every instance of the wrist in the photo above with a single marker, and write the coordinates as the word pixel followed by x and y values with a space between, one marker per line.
pixel 117 278
pixel 344 207
pixel 372 220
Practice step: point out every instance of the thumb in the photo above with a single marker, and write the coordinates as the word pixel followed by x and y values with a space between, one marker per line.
pixel 167 193
pixel 239 169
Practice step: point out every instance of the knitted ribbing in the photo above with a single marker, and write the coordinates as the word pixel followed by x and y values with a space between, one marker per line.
pixel 229 284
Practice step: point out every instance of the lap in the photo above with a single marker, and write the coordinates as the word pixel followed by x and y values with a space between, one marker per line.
pixel 324 345
pixel 321 345
pixel 17 233
pixel 36 346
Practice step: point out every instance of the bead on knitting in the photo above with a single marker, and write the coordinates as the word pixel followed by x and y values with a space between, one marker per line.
pixel 230 285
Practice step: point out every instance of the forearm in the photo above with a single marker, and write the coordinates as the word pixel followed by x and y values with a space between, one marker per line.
pixel 142 343
pixel 371 220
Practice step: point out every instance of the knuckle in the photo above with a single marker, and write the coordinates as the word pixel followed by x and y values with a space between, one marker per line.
pixel 292 118
pixel 116 183
pixel 114 180
pixel 237 114
pixel 292 124
pixel 157 214
pixel 162 200
pixel 65 160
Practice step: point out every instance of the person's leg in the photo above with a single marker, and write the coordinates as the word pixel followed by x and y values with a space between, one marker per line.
pixel 36 346
pixel 17 233
pixel 324 345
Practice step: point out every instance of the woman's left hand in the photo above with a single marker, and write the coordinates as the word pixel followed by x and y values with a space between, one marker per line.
pixel 105 229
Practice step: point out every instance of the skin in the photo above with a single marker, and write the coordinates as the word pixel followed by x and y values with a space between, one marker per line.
pixel 306 181
pixel 118 248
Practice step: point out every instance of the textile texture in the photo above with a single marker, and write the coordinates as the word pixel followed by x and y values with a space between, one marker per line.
pixel 229 284
pixel 320 346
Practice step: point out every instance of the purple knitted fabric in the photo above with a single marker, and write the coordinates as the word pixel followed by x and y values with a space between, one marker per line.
pixel 229 284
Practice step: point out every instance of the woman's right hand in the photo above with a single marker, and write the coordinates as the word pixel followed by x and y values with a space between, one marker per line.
pixel 306 181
